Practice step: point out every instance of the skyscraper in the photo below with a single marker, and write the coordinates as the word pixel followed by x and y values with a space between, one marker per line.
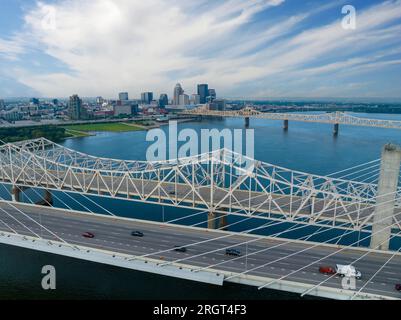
pixel 212 95
pixel 163 101
pixel 195 99
pixel 2 105
pixel 74 107
pixel 177 92
pixel 183 100
pixel 123 96
pixel 203 91
pixel 147 97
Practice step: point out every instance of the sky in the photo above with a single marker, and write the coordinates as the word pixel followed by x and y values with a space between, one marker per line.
pixel 261 49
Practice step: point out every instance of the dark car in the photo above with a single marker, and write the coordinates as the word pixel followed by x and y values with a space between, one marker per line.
pixel 88 235
pixel 327 270
pixel 137 234
pixel 233 252
pixel 398 287
pixel 180 249
pixel 172 193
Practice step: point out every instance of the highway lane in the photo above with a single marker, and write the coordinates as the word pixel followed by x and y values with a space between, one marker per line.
pixel 114 235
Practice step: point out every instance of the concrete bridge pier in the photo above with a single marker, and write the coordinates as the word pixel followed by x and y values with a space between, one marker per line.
pixel 336 129
pixel 47 199
pixel 223 221
pixel 385 202
pixel 247 122
pixel 211 220
pixel 285 125
pixel 16 194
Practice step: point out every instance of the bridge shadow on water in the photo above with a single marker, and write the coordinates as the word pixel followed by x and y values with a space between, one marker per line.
pixel 20 278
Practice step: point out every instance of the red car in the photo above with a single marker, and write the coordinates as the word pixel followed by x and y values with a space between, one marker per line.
pixel 88 235
pixel 398 287
pixel 327 270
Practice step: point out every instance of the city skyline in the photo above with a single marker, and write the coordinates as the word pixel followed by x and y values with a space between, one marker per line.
pixel 260 50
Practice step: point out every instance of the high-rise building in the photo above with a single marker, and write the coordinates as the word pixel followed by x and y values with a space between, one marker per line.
pixel 183 100
pixel 163 101
pixel 55 102
pixel 203 91
pixel 212 95
pixel 123 96
pixel 218 105
pixel 2 104
pixel 35 101
pixel 75 107
pixel 195 99
pixel 147 97
pixel 177 92
pixel 99 100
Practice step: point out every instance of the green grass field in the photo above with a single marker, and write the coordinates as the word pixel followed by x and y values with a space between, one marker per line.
pixel 109 127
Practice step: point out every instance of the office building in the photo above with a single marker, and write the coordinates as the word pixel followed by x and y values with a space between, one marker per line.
pixel 163 101
pixel 218 105
pixel 177 92
pixel 212 95
pixel 99 100
pixel 35 101
pixel 125 110
pixel 195 99
pixel 183 100
pixel 203 92
pixel 147 97
pixel 75 107
pixel 123 96
pixel 2 104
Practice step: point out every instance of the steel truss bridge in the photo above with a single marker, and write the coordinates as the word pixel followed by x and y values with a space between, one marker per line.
pixel 220 183
pixel 336 118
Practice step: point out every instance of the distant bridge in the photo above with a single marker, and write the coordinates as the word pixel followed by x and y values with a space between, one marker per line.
pixel 336 118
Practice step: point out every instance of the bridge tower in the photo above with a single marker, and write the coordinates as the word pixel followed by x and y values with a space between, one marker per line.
pixel 285 125
pixel 247 122
pixel 336 129
pixel 385 202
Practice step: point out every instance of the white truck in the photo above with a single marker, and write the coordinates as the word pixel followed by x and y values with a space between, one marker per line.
pixel 348 271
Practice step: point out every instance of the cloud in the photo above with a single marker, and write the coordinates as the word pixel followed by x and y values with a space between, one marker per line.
pixel 108 46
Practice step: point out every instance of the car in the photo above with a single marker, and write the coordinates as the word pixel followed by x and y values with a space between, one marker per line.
pixel 327 270
pixel 180 249
pixel 172 193
pixel 88 235
pixel 398 287
pixel 233 252
pixel 137 234
pixel 348 271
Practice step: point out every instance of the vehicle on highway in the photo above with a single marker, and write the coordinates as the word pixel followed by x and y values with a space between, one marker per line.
pixel 172 193
pixel 180 249
pixel 137 234
pixel 327 270
pixel 348 271
pixel 233 252
pixel 88 235
pixel 398 287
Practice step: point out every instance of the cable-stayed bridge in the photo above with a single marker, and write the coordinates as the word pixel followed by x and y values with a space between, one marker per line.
pixel 217 184
pixel 335 118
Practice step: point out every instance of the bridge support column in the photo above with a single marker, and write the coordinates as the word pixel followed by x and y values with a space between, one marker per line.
pixel 223 221
pixel 211 221
pixel 285 125
pixel 16 194
pixel 385 202
pixel 247 122
pixel 336 129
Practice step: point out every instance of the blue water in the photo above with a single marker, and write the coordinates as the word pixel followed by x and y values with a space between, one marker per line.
pixel 307 147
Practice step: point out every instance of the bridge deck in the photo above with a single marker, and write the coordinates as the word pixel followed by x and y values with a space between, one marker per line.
pixel 114 235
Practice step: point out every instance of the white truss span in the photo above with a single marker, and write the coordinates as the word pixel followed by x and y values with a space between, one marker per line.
pixel 333 118
pixel 217 182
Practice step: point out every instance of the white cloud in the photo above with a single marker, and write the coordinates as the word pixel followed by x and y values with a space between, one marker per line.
pixel 136 45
